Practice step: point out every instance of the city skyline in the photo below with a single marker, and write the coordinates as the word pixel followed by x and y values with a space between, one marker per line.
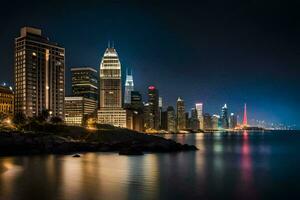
pixel 267 98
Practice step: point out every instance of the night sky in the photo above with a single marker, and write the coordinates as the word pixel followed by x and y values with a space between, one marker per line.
pixel 213 52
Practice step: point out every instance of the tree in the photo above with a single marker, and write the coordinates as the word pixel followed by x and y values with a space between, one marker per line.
pixel 44 115
pixel 56 120
pixel 19 119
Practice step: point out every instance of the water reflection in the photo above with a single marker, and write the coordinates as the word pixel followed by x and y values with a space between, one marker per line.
pixel 227 166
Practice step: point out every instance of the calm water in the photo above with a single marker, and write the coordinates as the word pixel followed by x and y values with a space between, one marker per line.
pixel 227 166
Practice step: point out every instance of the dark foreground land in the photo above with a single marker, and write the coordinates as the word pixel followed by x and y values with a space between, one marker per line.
pixel 61 139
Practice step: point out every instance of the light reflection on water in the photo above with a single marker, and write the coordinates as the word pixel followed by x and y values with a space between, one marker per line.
pixel 227 165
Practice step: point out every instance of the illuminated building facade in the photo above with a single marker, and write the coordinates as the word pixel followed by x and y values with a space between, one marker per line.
pixel 245 121
pixel 6 100
pixel 224 117
pixel 171 120
pixel 111 111
pixel 194 124
pixel 129 87
pixel 232 121
pixel 152 118
pixel 77 108
pixel 207 121
pixel 216 122
pixel 180 114
pixel 199 108
pixel 39 74
pixel 85 82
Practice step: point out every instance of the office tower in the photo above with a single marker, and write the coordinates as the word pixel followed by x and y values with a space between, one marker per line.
pixel 232 121
pixel 77 108
pixel 85 82
pixel 199 108
pixel 160 106
pixel 153 101
pixel 215 122
pixel 39 74
pixel 245 122
pixel 224 117
pixel 6 100
pixel 171 120
pixel 146 114
pixel 194 120
pixel 187 120
pixel 129 87
pixel 164 120
pixel 134 110
pixel 180 114
pixel 136 100
pixel 111 111
pixel 207 121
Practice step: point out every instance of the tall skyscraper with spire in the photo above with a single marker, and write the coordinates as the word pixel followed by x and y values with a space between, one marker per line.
pixel 111 111
pixel 129 87
pixel 180 114
pixel 224 117
pixel 245 121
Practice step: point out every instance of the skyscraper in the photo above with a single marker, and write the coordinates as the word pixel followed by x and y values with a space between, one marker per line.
pixel 215 122
pixel 180 114
pixel 111 111
pixel 245 122
pixel 136 100
pixel 171 119
pixel 39 74
pixel 207 121
pixel 199 108
pixel 232 121
pixel 224 117
pixel 85 82
pixel 153 103
pixel 194 120
pixel 129 87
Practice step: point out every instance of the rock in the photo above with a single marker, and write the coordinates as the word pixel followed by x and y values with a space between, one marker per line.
pixel 76 155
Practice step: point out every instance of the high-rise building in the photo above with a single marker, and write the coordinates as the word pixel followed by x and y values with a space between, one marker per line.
pixel 194 120
pixel 160 107
pixel 199 108
pixel 180 114
pixel 215 122
pixel 187 120
pixel 207 121
pixel 164 120
pixel 129 87
pixel 39 74
pixel 85 82
pixel 77 108
pixel 171 119
pixel 224 117
pixel 232 121
pixel 245 122
pixel 111 111
pixel 136 100
pixel 6 100
pixel 153 107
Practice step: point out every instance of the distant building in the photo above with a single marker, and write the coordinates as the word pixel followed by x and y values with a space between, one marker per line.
pixel 194 124
pixel 164 120
pixel 187 120
pixel 232 121
pixel 153 108
pixel 216 122
pixel 136 100
pixel 160 107
pixel 207 125
pixel 199 108
pixel 224 117
pixel 180 114
pixel 39 74
pixel 171 119
pixel 6 100
pixel 77 108
pixel 85 82
pixel 111 111
pixel 129 87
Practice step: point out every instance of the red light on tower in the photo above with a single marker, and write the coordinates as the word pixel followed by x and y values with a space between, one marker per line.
pixel 245 123
pixel 151 87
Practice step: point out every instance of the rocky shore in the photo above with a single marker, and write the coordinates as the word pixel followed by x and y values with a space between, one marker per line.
pixel 119 141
